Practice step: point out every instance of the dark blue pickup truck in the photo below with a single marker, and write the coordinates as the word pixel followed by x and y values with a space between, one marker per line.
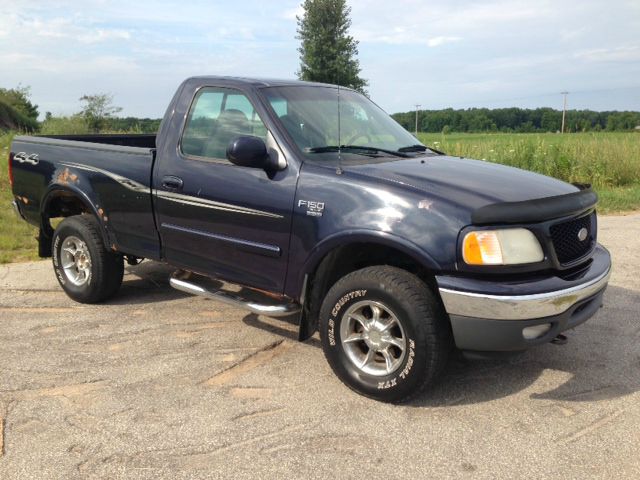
pixel 317 204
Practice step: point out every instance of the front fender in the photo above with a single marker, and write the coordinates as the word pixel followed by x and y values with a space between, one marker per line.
pixel 347 237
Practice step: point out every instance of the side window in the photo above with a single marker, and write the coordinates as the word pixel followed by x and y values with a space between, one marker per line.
pixel 217 116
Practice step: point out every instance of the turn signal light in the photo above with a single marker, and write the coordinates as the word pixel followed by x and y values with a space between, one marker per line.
pixel 509 246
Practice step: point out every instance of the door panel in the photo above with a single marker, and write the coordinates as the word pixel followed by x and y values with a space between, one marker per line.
pixel 223 220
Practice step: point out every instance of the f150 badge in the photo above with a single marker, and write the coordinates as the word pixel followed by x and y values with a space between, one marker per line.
pixel 314 209
pixel 24 157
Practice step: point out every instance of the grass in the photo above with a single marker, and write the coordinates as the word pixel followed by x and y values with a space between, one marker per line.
pixel 609 161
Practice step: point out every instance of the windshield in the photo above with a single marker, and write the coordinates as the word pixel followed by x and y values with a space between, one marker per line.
pixel 310 116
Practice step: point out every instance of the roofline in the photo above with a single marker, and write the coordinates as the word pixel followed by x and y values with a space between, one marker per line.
pixel 265 82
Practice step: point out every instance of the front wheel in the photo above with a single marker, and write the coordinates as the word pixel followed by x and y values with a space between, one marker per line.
pixel 86 270
pixel 384 333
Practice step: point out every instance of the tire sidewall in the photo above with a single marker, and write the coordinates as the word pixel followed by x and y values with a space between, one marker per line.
pixel 77 292
pixel 412 370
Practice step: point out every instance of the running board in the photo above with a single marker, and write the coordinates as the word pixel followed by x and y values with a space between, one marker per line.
pixel 259 304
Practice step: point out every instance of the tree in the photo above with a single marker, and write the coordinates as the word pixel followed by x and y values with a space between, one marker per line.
pixel 98 110
pixel 19 99
pixel 327 51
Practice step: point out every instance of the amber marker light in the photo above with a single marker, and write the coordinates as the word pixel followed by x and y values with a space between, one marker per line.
pixel 511 246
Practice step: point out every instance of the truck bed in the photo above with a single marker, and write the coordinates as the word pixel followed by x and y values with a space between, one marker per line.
pixel 112 173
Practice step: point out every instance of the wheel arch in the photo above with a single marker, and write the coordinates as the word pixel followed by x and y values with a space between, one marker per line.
pixel 341 254
pixel 65 201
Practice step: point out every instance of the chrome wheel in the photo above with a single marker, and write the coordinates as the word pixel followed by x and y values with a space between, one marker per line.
pixel 75 260
pixel 373 338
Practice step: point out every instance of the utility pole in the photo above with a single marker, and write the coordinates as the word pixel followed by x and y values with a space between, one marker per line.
pixel 417 107
pixel 564 109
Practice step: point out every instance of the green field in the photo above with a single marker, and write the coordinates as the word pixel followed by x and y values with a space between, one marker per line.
pixel 609 161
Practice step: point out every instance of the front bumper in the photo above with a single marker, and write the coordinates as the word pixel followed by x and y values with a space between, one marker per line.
pixel 491 316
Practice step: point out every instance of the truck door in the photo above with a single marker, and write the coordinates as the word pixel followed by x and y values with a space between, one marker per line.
pixel 217 218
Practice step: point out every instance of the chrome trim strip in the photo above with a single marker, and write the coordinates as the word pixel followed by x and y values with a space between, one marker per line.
pixel 202 202
pixel 263 248
pixel 519 307
pixel 273 310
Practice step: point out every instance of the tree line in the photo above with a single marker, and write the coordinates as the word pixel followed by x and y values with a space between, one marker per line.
pixel 516 120
pixel 97 114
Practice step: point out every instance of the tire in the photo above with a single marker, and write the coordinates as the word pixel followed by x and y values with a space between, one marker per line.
pixel 395 357
pixel 91 275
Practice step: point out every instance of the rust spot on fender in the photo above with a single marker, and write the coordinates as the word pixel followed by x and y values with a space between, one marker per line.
pixel 66 176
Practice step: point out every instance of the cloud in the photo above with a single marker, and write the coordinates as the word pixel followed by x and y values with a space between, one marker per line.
pixel 439 53
pixel 627 54
pixel 292 13
pixel 437 41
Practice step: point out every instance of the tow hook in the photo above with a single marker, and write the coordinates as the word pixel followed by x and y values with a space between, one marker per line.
pixel 560 340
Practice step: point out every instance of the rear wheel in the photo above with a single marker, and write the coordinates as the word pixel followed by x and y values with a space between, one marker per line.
pixel 85 269
pixel 384 333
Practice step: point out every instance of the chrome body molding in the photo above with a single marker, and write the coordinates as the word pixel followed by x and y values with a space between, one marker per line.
pixel 520 307
pixel 201 202
pixel 234 299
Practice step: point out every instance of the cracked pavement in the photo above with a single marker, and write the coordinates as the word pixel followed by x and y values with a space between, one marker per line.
pixel 158 384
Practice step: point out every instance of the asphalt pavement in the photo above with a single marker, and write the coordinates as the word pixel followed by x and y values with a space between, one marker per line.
pixel 159 384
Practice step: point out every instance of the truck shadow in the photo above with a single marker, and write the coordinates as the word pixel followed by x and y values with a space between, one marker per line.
pixel 146 282
pixel 601 361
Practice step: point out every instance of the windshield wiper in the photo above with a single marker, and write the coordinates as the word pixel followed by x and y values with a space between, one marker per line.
pixel 419 148
pixel 357 149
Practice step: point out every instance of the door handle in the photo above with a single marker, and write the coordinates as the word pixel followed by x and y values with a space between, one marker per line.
pixel 171 182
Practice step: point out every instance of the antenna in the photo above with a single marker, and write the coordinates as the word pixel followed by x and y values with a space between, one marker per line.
pixel 339 169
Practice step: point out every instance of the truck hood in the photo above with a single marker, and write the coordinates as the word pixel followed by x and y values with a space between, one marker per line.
pixel 468 183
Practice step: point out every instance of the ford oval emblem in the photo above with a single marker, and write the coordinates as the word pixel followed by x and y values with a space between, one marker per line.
pixel 582 234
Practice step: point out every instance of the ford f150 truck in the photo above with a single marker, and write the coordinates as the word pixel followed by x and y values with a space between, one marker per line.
pixel 317 204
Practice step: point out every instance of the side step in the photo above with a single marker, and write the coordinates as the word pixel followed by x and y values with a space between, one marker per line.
pixel 246 298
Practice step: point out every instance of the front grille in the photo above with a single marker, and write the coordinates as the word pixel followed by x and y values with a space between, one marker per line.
pixel 565 239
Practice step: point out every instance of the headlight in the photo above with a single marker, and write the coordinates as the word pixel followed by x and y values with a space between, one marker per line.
pixel 511 246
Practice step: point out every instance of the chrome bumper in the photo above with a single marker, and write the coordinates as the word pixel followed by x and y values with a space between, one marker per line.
pixel 520 307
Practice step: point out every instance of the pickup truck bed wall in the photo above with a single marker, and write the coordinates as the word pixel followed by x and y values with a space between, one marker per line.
pixel 113 182
pixel 124 140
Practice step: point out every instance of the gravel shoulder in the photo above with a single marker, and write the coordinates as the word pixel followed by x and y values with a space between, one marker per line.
pixel 158 384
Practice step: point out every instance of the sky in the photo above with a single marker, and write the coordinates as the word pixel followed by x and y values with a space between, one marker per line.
pixel 439 54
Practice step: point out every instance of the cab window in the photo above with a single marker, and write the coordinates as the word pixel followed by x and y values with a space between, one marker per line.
pixel 216 117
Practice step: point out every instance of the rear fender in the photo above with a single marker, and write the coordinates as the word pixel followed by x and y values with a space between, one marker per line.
pixel 56 190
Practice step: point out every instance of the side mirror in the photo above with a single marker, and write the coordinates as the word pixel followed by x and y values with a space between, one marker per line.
pixel 249 151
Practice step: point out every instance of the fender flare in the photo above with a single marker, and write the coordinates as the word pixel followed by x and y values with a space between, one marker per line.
pixel 53 191
pixel 329 244
pixel 346 237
